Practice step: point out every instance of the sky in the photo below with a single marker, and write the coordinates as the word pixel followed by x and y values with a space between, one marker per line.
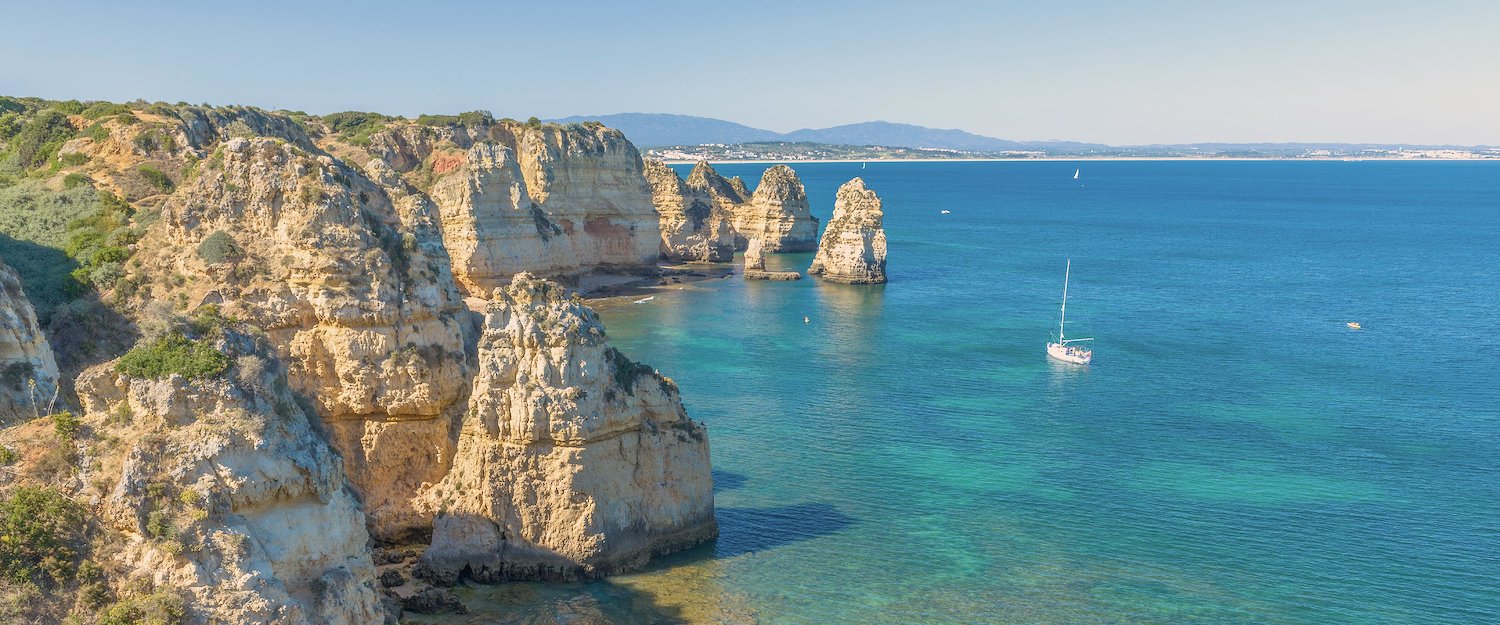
pixel 1123 73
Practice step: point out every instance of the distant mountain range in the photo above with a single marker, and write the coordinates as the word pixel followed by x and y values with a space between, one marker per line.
pixel 655 130
pixel 649 130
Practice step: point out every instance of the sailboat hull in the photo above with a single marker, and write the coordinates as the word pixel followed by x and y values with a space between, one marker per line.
pixel 1074 355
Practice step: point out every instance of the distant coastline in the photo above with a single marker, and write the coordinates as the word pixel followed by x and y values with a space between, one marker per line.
pixel 1047 159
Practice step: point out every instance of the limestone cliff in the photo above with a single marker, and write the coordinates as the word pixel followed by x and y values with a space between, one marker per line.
pixel 550 199
pixel 573 461
pixel 28 370
pixel 693 227
pixel 218 492
pixel 853 246
pixel 353 290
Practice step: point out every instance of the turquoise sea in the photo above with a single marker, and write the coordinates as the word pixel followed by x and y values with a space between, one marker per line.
pixel 1235 454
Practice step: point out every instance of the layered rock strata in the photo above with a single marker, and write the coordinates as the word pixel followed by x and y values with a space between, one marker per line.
pixel 549 199
pixel 755 265
pixel 573 461
pixel 354 291
pixel 778 214
pixel 693 227
pixel 28 369
pixel 853 246
pixel 223 491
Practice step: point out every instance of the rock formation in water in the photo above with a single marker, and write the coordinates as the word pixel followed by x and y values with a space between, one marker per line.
pixel 755 265
pixel 28 369
pixel 853 246
pixel 778 214
pixel 573 461
pixel 693 227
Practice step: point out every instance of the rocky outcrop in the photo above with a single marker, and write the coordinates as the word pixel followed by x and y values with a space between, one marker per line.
pixel 28 370
pixel 550 199
pixel 220 489
pixel 778 214
pixel 693 227
pixel 755 265
pixel 354 291
pixel 853 246
pixel 573 461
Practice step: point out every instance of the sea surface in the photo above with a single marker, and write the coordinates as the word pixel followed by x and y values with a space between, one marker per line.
pixel 1234 454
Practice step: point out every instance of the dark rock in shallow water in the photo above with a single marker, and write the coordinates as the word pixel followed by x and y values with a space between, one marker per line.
pixel 392 578
pixel 434 601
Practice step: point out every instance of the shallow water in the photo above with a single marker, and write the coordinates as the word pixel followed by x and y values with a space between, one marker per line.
pixel 1233 455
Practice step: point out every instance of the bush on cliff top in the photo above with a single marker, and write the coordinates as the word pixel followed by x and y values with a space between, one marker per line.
pixel 219 247
pixel 173 354
pixel 40 534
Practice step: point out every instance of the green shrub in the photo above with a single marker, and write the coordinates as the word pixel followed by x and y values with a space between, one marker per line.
pixel 40 530
pixel 66 425
pixel 159 608
pixel 38 139
pixel 10 124
pixel 73 160
pixel 8 456
pixel 34 232
pixel 104 109
pixel 69 107
pixel 173 354
pixel 74 180
pixel 98 132
pixel 155 178
pixel 219 247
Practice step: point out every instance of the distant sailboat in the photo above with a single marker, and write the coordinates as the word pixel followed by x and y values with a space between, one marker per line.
pixel 1061 350
pixel 947 212
pixel 863 165
pixel 1076 172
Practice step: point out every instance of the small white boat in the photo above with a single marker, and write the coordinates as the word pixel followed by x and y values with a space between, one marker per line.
pixel 1061 350
pixel 806 319
pixel 1353 325
pixel 947 212
pixel 1076 172
pixel 645 299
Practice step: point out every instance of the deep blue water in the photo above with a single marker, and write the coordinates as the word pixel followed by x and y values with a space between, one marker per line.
pixel 1235 454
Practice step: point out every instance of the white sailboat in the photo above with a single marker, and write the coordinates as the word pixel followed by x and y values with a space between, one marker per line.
pixel 1061 350
pixel 1076 172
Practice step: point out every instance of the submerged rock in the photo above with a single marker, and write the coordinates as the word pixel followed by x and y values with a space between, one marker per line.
pixel 853 247
pixel 573 462
pixel 693 227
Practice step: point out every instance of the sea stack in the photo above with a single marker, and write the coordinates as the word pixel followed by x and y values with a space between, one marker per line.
pixel 853 247
pixel 693 228
pixel 778 214
pixel 755 264
pixel 572 461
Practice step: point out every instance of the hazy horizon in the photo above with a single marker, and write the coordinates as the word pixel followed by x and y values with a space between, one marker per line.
pixel 1151 73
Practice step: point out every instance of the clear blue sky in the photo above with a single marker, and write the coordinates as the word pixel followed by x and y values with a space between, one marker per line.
pixel 1114 72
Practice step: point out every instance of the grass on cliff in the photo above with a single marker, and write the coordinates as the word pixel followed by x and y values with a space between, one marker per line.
pixel 41 534
pixel 173 354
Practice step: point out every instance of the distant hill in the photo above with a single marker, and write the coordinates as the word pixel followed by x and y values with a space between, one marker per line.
pixel 902 135
pixel 659 129
pixel 651 130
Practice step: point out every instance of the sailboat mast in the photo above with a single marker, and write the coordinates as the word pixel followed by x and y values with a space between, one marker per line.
pixel 1064 316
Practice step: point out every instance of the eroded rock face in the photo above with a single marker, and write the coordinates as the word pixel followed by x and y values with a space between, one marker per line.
pixel 573 461
pixel 550 199
pixel 28 369
pixel 853 246
pixel 693 227
pixel 223 491
pixel 755 265
pixel 352 289
pixel 778 213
